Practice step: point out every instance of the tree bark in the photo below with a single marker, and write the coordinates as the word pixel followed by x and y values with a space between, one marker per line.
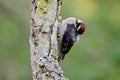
pixel 44 21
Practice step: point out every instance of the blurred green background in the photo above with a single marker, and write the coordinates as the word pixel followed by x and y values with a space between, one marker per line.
pixel 95 57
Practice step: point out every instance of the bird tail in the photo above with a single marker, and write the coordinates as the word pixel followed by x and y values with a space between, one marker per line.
pixel 60 57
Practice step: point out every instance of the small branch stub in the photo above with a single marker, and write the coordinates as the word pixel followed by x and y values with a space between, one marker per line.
pixel 43 40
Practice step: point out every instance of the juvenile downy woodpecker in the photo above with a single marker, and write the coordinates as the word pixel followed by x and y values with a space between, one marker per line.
pixel 69 31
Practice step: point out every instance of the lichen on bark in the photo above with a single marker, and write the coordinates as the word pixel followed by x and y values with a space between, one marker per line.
pixel 44 20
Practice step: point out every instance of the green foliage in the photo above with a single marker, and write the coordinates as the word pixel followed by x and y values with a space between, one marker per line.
pixel 95 57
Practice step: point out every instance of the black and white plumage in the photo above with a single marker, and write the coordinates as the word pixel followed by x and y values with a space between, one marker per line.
pixel 69 31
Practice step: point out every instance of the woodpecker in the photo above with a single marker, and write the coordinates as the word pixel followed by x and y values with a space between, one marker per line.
pixel 69 31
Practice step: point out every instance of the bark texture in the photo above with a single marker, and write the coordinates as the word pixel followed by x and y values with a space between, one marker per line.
pixel 44 21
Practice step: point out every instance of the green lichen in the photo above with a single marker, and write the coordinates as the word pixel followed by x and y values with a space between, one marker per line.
pixel 42 6
pixel 40 10
pixel 53 53
pixel 48 74
pixel 45 29
pixel 49 1
pixel 45 13
pixel 46 43
pixel 43 3
pixel 58 35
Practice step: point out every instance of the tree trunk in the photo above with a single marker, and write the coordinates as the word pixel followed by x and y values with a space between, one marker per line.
pixel 44 21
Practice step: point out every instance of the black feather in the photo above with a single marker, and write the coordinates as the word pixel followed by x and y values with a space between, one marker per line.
pixel 69 38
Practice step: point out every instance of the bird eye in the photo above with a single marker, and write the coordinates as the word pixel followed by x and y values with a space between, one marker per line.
pixel 78 24
pixel 81 29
